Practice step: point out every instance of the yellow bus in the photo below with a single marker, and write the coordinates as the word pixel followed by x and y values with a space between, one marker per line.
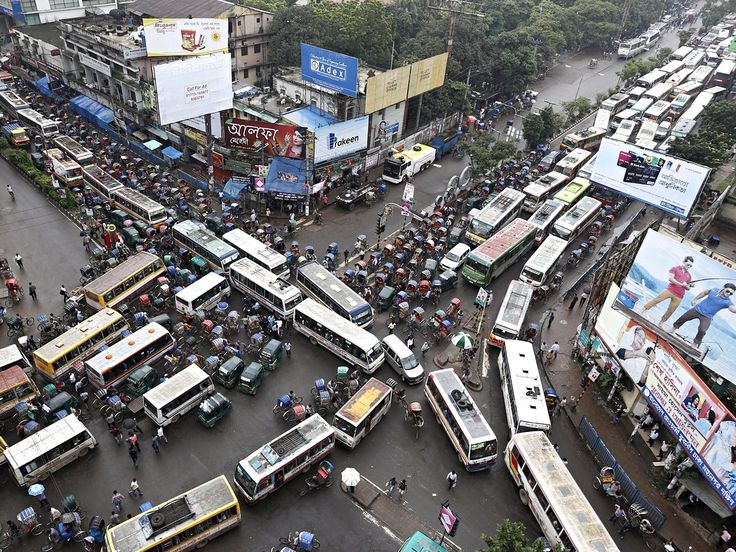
pixel 185 522
pixel 15 387
pixel 362 412
pixel 69 351
pixel 120 283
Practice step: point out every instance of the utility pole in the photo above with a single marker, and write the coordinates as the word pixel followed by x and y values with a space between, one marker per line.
pixel 454 8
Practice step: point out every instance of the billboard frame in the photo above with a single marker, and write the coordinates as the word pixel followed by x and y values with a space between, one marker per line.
pixel 330 70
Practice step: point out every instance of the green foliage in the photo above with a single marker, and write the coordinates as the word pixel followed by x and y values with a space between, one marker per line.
pixel 486 152
pixel 684 35
pixel 577 108
pixel 539 126
pixel 716 135
pixel 637 67
pixel 714 11
pixel 510 537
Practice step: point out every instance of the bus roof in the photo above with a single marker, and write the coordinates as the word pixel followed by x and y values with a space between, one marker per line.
pixel 573 190
pixel 547 253
pixel 44 440
pixel 503 239
pixel 242 240
pixel 61 158
pixel 573 158
pixel 339 290
pixel 117 351
pixel 499 204
pixel 515 303
pixel 161 394
pixel 332 321
pixel 360 404
pixel 71 338
pixel 140 199
pixel 528 387
pixel 548 211
pixel 10 377
pixel 419 542
pixel 119 273
pixel 263 277
pixel 195 289
pixel 72 146
pixel 448 383
pixel 199 233
pixel 101 177
pixel 12 356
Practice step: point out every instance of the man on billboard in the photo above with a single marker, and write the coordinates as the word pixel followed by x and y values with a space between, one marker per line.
pixel 713 301
pixel 678 283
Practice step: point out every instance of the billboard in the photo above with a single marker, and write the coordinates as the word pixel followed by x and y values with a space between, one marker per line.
pixel 341 139
pixel 668 183
pixel 427 74
pixel 386 89
pixel 272 139
pixel 336 72
pixel 700 422
pixel 185 37
pixel 191 87
pixel 687 298
pixel 200 124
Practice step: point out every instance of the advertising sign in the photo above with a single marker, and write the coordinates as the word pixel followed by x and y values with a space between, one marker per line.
pixel 687 298
pixel 330 70
pixel 192 87
pixel 185 37
pixel 341 139
pixel 95 64
pixel 272 139
pixel 200 124
pixel 700 422
pixel 427 74
pixel 386 89
pixel 666 182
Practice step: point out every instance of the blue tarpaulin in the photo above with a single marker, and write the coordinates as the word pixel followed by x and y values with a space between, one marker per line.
pixel 42 85
pixel 309 117
pixel 92 110
pixel 232 189
pixel 171 152
pixel 287 178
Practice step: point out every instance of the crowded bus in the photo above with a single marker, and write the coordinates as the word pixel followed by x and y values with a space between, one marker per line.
pixel 258 252
pixel 657 112
pixel 618 102
pixel 588 139
pixel 167 402
pixel 140 206
pixel 466 427
pixel 11 355
pixel 265 287
pixel 185 522
pixel 680 103
pixel 48 450
pixel 523 389
pixel 100 181
pixel 545 216
pixel 74 149
pixel 571 163
pixel 37 123
pixel 202 295
pixel 357 417
pixel 122 282
pixel 322 285
pixel 510 320
pixel 111 367
pixel 543 263
pixel 498 212
pixel 573 192
pixel 553 496
pixel 67 352
pixel 577 219
pixel 195 237
pixel 542 188
pixel 655 76
pixel 290 455
pixel 724 74
pixel 488 261
pixel 12 102
pixel 15 387
pixel 67 170
pixel 341 337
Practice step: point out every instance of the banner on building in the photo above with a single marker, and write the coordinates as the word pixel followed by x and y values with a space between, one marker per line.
pixel 336 72
pixel 427 74
pixel 386 89
pixel 340 139
pixel 185 37
pixel 270 138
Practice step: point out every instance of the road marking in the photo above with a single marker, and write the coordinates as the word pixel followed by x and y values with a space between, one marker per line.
pixel 568 66
pixel 437 165
pixel 375 521
pixel 485 362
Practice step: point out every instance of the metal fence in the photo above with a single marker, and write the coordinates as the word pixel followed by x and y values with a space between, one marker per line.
pixel 628 488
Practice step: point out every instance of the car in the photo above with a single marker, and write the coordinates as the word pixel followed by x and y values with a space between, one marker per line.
pixel 402 360
pixel 455 257
pixel 550 160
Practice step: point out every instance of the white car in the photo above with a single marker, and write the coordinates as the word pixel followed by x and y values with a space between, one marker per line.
pixel 455 257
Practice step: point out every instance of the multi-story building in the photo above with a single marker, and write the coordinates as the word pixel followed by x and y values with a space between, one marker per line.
pixel 15 13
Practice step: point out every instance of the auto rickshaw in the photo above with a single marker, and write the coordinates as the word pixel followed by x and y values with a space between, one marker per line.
pixel 402 309
pixel 454 236
pixel 411 288
pixel 141 380
pixel 454 307
pixel 271 354
pixel 251 378
pixel 389 250
pixel 199 265
pixel 385 298
pixel 399 276
pixel 424 287
pixel 380 280
pixel 430 267
pixel 213 408
pixel 448 280
pixel 228 374
pixel 62 401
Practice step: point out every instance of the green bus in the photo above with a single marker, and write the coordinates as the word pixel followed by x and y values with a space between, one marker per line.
pixel 572 192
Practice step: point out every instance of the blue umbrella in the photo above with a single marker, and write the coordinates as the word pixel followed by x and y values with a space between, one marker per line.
pixel 36 489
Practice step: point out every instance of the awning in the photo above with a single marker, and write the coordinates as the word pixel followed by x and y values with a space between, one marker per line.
pixel 707 495
pixel 199 157
pixel 138 135
pixel 309 117
pixel 232 189
pixel 42 85
pixel 260 115
pixel 92 110
pixel 153 144
pixel 171 153
pixel 157 132
pixel 287 178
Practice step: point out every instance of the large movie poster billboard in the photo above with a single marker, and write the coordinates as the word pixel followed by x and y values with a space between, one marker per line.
pixel 269 138
pixel 695 416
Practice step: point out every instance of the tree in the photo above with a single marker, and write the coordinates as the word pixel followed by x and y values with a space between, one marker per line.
pixel 717 133
pixel 541 125
pixel 577 108
pixel 511 537
pixel 598 20
pixel 685 35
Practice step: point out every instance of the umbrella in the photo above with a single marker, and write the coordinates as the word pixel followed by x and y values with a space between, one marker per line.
pixel 36 489
pixel 67 517
pixel 463 340
pixel 129 423
pixel 350 477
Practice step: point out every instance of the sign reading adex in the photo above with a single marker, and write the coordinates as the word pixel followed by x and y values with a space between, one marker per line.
pixel 341 139
pixel 330 70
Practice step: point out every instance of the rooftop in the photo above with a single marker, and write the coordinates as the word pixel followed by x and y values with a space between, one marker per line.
pixel 46 32
pixel 180 8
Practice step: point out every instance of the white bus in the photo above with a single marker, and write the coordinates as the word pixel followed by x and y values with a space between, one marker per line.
pixel 203 294
pixel 543 262
pixel 631 48
pixel 501 210
pixel 67 170
pixel 523 390
pixel 288 456
pixel 626 115
pixel 691 88
pixel 37 123
pixel 681 53
pixel 694 59
pixel 650 79
pixel 11 355
pixel 74 149
pixel 322 285
pixel 702 75
pixel 167 402
pixel 357 417
pixel 258 252
pixel 140 206
pixel 542 188
pixel 570 164
pixel 511 315
pixel 577 219
pixel 112 366
pixel 457 413
pixel 12 102
pixel 680 103
pixel 351 343
pixel 545 216
pixel 672 67
pixel 195 237
pixel 658 91
pixel 267 288
pixel 554 498
pixel 50 449
pixel 100 181
pixel 587 170
pixel 678 77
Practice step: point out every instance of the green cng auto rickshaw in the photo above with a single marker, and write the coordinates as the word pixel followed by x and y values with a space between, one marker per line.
pixel 251 378
pixel 385 298
pixel 227 375
pixel 213 408
pixel 271 354
pixel 141 380
pixel 62 401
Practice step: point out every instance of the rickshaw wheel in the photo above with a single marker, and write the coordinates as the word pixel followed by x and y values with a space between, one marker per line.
pixel 79 536
pixel 312 340
pixel 37 529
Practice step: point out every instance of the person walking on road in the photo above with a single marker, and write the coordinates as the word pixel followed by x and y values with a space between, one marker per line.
pixel 618 513
pixel 425 347
pixel 618 415
pixel 583 297
pixel 154 444
pixel 573 302
pixel 402 488
pixel 32 291
pixel 134 441
pixel 135 489
pixel 287 348
pixel 64 293
pixel 451 479
pixel 346 254
pixel 117 501
pixel 635 432
pixel 550 319
pixel 133 454
pixel 19 260
pixel 114 519
pixel 555 348
pixel 390 486
pixel 161 436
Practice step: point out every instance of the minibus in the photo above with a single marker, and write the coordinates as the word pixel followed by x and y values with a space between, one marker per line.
pixel 650 79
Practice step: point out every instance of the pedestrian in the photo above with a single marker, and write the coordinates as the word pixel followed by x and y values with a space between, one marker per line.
pixel 135 489
pixel 55 515
pixel 583 297
pixel 114 519
pixel 116 434
pixel 425 347
pixel 84 398
pixel 451 479
pixel 161 436
pixel 32 342
pixel 635 431
pixel 133 439
pixel 63 292
pixel 402 488
pixel 19 260
pixel 410 341
pixel 390 486
pixel 268 214
pixel 110 419
pixel 287 348
pixel 572 303
pixel 564 460
pixel 346 254
pixel 550 319
pixel 117 501
pixel 542 350
pixel 663 450
pixel 648 422
pixel 560 406
pixel 79 386
pixel 555 348
pixel 154 444
pixel 391 326
pixel 32 291
pixel 617 416
pixel 618 513
pixel 133 454
pixel 43 500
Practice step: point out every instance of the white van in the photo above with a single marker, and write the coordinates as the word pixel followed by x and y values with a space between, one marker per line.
pixel 455 257
pixel 402 360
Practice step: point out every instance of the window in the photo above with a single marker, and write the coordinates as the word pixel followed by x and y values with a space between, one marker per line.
pixel 245 73
pixel 27 5
pixel 257 49
pixel 244 51
pixel 61 4
pixel 94 2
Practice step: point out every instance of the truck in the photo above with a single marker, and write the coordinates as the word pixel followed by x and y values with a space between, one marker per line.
pixel 16 134
pixel 399 166
pixel 444 143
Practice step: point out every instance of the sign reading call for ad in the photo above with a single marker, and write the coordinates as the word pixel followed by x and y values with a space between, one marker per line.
pixel 668 183
pixel 330 70
pixel 185 37
pixel 341 139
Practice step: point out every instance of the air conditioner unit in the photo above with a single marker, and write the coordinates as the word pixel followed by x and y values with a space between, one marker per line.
pixel 267 89
pixel 130 103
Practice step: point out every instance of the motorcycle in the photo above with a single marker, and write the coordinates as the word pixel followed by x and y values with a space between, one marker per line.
pixel 323 478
